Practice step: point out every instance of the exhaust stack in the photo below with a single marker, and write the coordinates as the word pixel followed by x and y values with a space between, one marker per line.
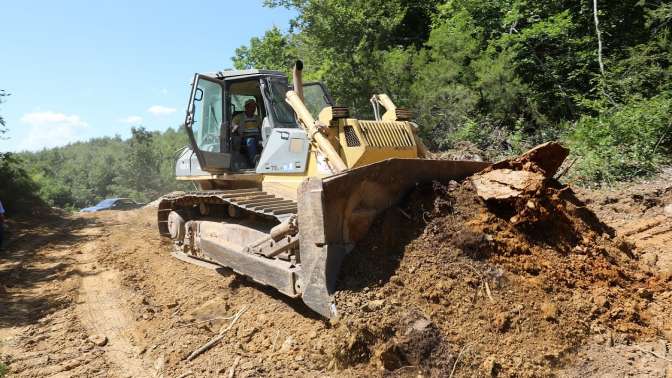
pixel 298 79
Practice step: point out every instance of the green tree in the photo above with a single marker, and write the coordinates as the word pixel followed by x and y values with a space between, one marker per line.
pixel 346 43
pixel 501 74
pixel 274 51
pixel 139 176
pixel 18 190
pixel 3 125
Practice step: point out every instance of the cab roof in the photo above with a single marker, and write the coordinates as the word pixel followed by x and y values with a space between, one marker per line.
pixel 235 74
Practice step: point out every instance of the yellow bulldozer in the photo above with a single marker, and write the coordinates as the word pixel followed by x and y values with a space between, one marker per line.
pixel 288 214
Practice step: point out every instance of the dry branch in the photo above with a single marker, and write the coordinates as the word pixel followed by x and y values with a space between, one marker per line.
pixel 217 338
pixel 232 369
pixel 457 359
pixel 484 283
pixel 652 353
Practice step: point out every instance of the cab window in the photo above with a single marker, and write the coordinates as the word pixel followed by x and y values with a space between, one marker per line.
pixel 238 103
pixel 207 110
pixel 315 98
pixel 282 112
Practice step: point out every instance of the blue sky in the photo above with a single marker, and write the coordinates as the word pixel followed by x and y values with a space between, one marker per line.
pixel 80 69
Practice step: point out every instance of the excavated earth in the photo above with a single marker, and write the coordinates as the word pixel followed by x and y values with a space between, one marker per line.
pixel 549 283
pixel 473 290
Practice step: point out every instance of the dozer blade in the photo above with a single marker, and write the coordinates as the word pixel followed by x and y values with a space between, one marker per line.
pixel 335 212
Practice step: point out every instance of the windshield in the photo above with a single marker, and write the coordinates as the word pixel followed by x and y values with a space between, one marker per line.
pixel 282 112
pixel 105 203
pixel 315 98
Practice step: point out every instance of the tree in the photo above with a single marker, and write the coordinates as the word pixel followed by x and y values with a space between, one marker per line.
pixel 18 190
pixel 501 74
pixel 139 176
pixel 274 51
pixel 344 43
pixel 3 125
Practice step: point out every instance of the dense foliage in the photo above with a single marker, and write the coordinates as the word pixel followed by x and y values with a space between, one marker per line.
pixel 17 191
pixel 501 74
pixel 84 173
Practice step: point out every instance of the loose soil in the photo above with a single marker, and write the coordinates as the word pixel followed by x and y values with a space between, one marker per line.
pixel 510 288
pixel 449 286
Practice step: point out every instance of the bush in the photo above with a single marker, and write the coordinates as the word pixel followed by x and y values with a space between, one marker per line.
pixel 18 191
pixel 626 142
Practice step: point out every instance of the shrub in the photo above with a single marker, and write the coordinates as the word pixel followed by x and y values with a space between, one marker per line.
pixel 18 191
pixel 623 143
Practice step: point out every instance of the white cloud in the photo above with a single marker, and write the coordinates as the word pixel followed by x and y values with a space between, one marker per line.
pixel 132 120
pixel 50 129
pixel 160 110
pixel 51 118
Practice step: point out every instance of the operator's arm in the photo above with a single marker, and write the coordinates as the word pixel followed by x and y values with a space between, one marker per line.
pixel 235 124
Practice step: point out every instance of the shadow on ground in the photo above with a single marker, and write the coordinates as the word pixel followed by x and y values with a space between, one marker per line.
pixel 39 251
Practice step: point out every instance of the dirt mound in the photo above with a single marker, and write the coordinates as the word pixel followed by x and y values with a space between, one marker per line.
pixel 449 283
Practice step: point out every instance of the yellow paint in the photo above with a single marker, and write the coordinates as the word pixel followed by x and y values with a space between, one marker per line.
pixel 384 140
pixel 356 142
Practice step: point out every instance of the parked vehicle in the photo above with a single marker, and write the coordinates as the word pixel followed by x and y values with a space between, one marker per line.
pixel 112 204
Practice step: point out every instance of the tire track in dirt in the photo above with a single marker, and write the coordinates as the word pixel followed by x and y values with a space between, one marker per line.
pixel 178 307
pixel 53 268
pixel 102 312
pixel 41 333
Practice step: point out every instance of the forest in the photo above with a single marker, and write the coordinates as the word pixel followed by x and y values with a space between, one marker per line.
pixel 83 173
pixel 495 77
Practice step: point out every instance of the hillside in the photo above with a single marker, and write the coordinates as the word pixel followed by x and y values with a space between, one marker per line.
pixel 83 173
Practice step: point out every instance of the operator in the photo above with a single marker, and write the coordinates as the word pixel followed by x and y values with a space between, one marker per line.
pixel 249 125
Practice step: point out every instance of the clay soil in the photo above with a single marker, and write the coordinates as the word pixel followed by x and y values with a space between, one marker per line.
pixel 557 284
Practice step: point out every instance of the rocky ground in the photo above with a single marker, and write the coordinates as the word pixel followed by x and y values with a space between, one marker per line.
pixel 576 285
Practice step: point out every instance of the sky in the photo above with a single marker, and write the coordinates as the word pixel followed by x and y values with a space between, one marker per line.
pixel 79 69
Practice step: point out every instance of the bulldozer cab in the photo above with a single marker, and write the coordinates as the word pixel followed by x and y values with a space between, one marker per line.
pixel 217 99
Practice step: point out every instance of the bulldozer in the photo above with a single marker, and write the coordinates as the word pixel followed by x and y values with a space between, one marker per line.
pixel 289 217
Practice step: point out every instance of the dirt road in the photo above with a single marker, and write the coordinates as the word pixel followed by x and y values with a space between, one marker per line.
pixel 100 295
